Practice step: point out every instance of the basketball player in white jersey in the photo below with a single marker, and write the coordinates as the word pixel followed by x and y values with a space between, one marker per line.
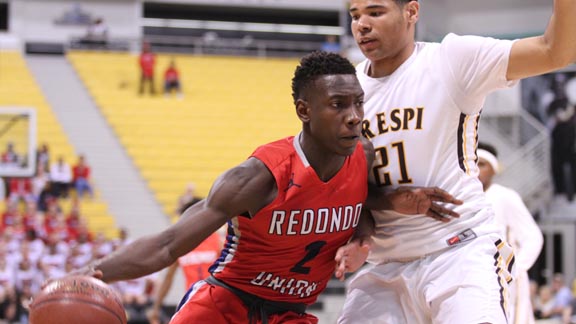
pixel 422 106
pixel 519 229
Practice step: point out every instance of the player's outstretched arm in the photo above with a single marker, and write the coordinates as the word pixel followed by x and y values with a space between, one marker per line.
pixel 551 51
pixel 245 188
pixel 413 201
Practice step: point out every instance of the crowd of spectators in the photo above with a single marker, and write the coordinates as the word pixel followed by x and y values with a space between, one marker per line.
pixel 554 302
pixel 43 234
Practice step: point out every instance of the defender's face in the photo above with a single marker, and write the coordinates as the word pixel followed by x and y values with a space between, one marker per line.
pixel 486 173
pixel 336 112
pixel 381 28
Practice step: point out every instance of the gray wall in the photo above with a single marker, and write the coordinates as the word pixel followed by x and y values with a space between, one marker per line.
pixel 33 20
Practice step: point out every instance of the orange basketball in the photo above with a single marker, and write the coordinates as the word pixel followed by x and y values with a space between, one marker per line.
pixel 77 299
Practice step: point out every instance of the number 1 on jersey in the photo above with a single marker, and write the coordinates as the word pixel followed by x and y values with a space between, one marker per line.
pixel 382 161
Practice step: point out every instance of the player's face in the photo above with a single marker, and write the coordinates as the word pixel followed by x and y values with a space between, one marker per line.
pixel 486 173
pixel 336 112
pixel 382 29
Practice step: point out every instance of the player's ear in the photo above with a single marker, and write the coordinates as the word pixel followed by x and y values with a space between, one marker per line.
pixel 412 10
pixel 302 110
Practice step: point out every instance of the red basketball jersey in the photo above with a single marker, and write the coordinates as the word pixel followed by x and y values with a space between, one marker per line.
pixel 286 251
pixel 196 263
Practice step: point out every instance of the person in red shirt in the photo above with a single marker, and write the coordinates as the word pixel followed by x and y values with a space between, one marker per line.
pixel 147 61
pixel 20 189
pixel 293 210
pixel 81 178
pixel 172 80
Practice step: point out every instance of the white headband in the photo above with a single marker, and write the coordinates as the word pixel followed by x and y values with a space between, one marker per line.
pixel 490 158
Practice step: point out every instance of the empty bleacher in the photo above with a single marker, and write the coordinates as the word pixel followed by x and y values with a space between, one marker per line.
pixel 230 106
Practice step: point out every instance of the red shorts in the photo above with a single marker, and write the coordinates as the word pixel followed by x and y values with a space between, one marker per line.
pixel 218 305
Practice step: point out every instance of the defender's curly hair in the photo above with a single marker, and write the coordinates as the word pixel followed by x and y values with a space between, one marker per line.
pixel 316 64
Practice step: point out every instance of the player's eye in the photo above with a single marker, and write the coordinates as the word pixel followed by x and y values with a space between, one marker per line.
pixel 337 104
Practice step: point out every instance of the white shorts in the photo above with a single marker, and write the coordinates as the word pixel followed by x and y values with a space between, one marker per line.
pixel 466 284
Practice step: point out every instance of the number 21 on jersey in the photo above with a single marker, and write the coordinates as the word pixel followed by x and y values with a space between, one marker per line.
pixel 382 162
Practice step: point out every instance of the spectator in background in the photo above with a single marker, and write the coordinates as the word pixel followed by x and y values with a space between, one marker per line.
pixel 519 229
pixel 544 302
pixel 47 197
pixel 32 218
pixel 172 80
pixel 81 178
pixel 331 44
pixel 188 198
pixel 61 178
pixel 39 182
pixel 10 215
pixel 7 291
pixel 96 34
pixel 135 295
pixel 562 297
pixel 147 62
pixel 74 220
pixel 563 145
pixel 9 157
pixel 20 190
pixel 43 157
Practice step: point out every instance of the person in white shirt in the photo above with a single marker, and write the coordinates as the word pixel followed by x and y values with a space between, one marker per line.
pixel 519 229
pixel 60 177
pixel 421 111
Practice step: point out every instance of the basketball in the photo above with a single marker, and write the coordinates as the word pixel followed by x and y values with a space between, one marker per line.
pixel 77 299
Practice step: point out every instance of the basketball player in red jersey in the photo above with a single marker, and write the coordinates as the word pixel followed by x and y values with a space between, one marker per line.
pixel 289 207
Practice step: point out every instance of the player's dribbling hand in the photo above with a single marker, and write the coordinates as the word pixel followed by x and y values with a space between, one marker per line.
pixel 351 257
pixel 88 270
pixel 423 201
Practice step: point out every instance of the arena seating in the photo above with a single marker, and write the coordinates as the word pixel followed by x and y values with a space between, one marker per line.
pixel 18 88
pixel 230 106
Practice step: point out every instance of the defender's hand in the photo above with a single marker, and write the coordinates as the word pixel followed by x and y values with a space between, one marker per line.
pixel 423 201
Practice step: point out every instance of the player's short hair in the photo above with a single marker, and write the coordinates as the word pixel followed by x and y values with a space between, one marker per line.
pixel 316 64
pixel 488 147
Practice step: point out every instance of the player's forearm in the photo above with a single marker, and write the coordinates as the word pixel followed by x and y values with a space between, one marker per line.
pixel 377 198
pixel 560 35
pixel 142 257
pixel 365 228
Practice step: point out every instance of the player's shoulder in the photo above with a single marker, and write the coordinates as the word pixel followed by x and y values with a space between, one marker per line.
pixel 283 144
pixel 276 150
pixel 504 191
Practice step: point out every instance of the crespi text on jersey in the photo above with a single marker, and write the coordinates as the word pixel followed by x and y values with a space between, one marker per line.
pixel 395 120
pixel 314 221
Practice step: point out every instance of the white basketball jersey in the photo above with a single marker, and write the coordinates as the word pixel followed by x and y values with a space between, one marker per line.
pixel 423 122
